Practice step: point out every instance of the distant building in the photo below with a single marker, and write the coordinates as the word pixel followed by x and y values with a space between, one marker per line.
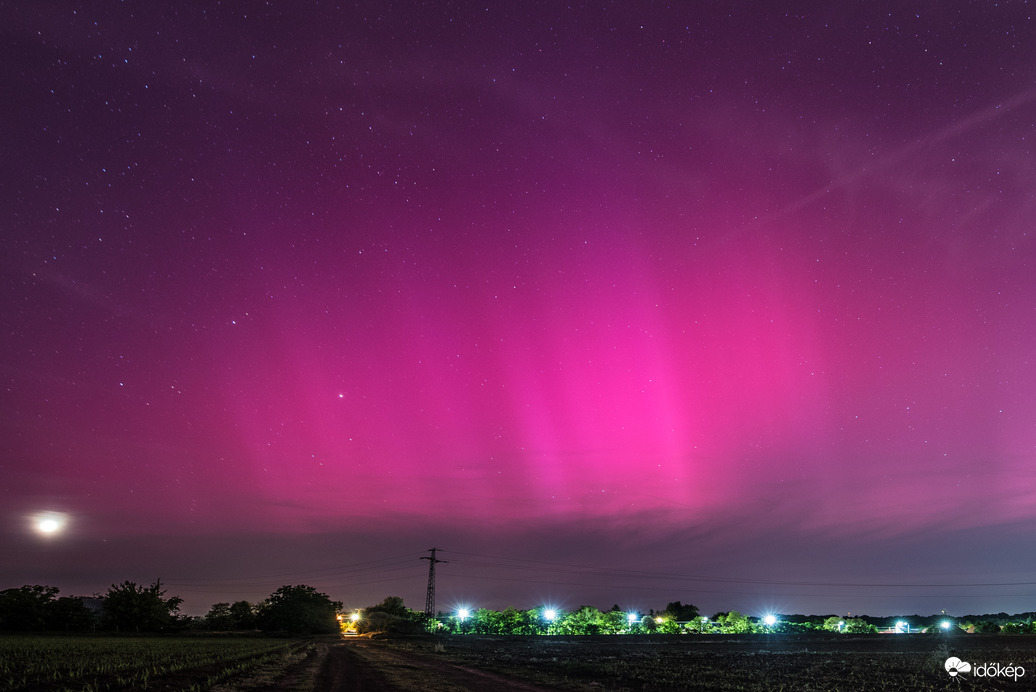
pixel 95 604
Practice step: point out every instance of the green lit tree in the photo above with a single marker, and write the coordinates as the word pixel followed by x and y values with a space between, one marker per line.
pixel 734 623
pixel 482 621
pixel 615 621
pixel 584 620
pixel 834 624
pixel 858 626
pixel 514 621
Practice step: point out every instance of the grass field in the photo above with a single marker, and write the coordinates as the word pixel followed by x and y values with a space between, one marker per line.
pixel 95 664
pixel 751 662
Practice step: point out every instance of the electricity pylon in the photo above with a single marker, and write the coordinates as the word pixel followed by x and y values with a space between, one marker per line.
pixel 429 599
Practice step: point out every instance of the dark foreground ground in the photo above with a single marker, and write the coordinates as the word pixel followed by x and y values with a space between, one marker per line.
pixel 712 662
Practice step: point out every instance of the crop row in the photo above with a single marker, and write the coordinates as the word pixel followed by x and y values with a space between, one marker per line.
pixel 878 662
pixel 105 663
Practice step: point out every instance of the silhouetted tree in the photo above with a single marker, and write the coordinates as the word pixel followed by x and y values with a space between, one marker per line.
pixel 219 617
pixel 391 615
pixel 986 627
pixel 299 610
pixel 35 608
pixel 682 613
pixel 140 609
pixel 26 608
pixel 242 614
pixel 68 613
pixel 225 616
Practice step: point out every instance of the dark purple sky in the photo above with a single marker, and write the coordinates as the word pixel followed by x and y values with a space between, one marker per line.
pixel 619 303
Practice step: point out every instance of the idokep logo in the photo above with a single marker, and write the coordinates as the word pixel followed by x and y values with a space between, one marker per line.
pixel 954 666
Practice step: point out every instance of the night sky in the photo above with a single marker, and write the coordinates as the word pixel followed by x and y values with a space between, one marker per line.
pixel 613 303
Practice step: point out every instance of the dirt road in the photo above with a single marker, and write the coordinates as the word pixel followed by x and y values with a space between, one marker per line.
pixel 361 666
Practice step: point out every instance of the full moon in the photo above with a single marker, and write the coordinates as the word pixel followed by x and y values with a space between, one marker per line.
pixel 49 523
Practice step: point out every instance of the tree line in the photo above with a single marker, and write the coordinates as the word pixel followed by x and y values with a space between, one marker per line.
pixel 677 618
pixel 129 607
pixel 301 609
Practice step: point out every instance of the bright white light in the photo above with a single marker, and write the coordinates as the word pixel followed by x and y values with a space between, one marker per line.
pixel 355 617
pixel 463 613
pixel 49 523
pixel 770 620
pixel 550 614
pixel 632 617
pixel 945 624
pixel 901 626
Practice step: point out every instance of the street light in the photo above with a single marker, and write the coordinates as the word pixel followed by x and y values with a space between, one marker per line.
pixel 770 620
pixel 463 614
pixel 549 614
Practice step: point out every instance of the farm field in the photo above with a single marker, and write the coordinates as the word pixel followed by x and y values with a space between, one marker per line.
pixel 44 663
pixel 516 664
pixel 720 662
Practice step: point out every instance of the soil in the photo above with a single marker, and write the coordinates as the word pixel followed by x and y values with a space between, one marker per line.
pixel 294 672
pixel 643 662
pixel 363 666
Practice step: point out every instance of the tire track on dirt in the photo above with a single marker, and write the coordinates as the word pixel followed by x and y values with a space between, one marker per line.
pixel 366 667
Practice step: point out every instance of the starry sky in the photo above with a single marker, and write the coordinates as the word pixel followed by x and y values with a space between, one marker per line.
pixel 618 302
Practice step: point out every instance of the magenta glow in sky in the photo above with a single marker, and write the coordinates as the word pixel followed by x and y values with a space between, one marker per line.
pixel 666 288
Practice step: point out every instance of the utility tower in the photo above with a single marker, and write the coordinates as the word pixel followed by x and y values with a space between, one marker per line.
pixel 429 600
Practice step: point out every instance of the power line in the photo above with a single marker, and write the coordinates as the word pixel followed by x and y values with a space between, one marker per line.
pixel 542 566
pixel 380 566
pixel 670 590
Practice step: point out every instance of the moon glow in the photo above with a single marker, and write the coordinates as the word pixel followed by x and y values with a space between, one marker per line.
pixel 49 523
